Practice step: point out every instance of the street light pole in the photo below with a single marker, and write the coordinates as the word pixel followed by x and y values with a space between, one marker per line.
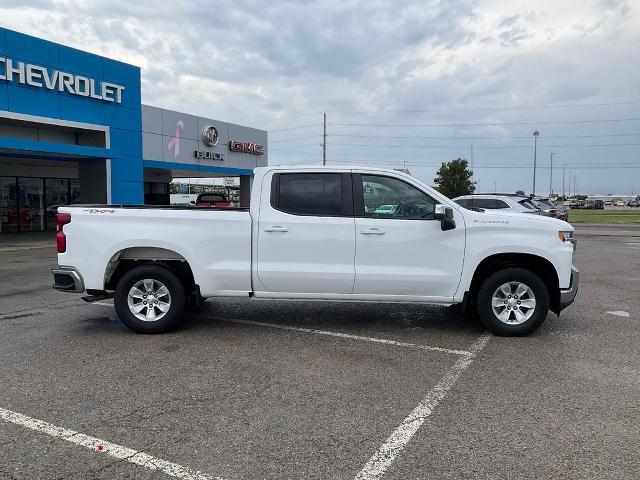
pixel 324 138
pixel 535 153
pixel 551 176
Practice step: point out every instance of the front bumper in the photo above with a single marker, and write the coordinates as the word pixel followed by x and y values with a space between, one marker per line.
pixel 568 296
pixel 67 279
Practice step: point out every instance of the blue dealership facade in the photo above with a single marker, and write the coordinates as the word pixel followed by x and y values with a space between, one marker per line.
pixel 73 130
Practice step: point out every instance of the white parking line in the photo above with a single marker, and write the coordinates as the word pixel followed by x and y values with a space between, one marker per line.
pixel 350 336
pixel 32 247
pixel 104 447
pixel 397 441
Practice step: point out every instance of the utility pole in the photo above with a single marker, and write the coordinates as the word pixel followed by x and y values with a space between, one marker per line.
pixel 575 185
pixel 569 182
pixel 324 138
pixel 535 152
pixel 551 176
pixel 563 165
pixel 495 187
pixel 472 163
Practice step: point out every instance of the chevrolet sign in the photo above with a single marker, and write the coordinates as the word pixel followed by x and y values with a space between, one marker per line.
pixel 42 77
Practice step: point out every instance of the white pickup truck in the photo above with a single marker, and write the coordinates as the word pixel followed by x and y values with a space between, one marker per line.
pixel 330 233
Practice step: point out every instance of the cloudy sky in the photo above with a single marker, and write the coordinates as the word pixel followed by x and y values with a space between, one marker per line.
pixel 402 82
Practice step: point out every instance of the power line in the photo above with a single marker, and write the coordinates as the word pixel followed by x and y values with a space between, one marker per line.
pixel 485 124
pixel 276 119
pixel 413 163
pixel 486 146
pixel 293 128
pixel 485 109
pixel 300 138
pixel 478 137
pixel 288 147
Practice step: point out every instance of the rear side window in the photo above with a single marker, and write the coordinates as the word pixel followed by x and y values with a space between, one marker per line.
pixel 486 203
pixel 313 194
pixel 501 204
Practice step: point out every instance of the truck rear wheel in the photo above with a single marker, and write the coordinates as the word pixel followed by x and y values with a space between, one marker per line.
pixel 513 302
pixel 150 299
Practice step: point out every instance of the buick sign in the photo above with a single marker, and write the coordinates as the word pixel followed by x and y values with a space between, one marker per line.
pixel 210 136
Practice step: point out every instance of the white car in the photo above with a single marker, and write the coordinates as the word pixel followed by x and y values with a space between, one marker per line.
pixel 307 235
pixel 516 203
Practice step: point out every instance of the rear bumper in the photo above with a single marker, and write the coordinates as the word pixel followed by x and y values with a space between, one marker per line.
pixel 67 279
pixel 568 296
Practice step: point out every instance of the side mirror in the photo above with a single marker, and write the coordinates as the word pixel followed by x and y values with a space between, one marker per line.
pixel 445 215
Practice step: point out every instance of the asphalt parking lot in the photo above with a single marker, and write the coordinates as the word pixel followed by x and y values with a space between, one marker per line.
pixel 266 390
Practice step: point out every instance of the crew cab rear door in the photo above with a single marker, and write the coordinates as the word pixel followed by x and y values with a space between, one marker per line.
pixel 306 234
pixel 403 251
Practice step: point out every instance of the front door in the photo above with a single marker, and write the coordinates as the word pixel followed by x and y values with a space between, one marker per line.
pixel 306 241
pixel 400 248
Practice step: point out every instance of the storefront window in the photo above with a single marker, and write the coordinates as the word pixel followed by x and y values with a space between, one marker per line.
pixel 8 205
pixel 75 191
pixel 31 204
pixel 57 193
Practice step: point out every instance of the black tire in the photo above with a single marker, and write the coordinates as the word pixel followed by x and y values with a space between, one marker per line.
pixel 511 275
pixel 170 319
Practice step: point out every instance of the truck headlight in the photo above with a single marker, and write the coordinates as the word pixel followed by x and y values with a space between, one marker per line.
pixel 567 236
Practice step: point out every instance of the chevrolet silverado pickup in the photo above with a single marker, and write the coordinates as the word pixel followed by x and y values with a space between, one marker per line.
pixel 322 233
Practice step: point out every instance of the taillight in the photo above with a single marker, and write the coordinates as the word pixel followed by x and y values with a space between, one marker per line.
pixel 61 240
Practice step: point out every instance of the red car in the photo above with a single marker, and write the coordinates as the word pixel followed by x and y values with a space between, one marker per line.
pixel 212 200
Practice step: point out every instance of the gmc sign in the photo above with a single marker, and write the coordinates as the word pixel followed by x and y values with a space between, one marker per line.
pixel 245 147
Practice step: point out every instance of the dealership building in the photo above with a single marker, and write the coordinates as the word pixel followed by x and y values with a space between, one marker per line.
pixel 73 130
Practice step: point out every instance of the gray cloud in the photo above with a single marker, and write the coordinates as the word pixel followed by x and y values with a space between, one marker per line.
pixel 248 60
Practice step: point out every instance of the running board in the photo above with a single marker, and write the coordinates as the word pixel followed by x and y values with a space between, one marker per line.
pixel 97 298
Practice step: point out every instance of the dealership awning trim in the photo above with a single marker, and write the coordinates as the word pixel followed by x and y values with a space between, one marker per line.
pixel 197 168
pixel 18 145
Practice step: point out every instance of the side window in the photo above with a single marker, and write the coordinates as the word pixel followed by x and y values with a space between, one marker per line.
pixel 463 202
pixel 501 204
pixel 317 194
pixel 388 197
pixel 485 203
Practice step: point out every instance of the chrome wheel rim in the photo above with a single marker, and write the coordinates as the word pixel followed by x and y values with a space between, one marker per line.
pixel 513 303
pixel 149 300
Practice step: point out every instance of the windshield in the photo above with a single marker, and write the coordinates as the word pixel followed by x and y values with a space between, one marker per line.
pixel 525 203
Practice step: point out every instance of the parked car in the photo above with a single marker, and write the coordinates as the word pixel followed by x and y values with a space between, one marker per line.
pixel 562 213
pixel 545 206
pixel 513 202
pixel 212 200
pixel 307 235
pixel 385 210
pixel 620 203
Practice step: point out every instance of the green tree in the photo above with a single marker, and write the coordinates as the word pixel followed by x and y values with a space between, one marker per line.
pixel 454 179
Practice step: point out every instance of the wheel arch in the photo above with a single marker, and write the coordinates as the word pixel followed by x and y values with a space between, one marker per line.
pixel 534 263
pixel 129 258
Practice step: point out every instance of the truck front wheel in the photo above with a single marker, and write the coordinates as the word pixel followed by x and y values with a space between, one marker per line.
pixel 150 299
pixel 513 302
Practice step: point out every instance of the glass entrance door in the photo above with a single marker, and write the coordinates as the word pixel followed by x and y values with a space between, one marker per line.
pixel 31 204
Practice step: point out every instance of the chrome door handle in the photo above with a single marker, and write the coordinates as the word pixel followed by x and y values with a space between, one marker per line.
pixel 276 228
pixel 372 231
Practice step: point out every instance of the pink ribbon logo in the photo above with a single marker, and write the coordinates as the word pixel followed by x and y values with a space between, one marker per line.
pixel 174 143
